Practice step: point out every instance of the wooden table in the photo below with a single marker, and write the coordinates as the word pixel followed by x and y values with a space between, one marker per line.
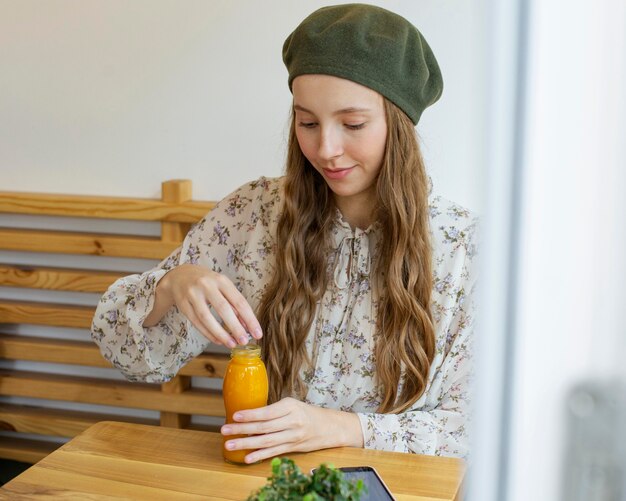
pixel 112 460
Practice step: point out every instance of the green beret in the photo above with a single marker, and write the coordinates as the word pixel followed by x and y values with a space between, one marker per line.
pixel 371 46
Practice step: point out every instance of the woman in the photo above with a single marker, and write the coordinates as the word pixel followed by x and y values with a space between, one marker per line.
pixel 356 285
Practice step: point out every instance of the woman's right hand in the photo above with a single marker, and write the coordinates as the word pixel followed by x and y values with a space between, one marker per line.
pixel 193 289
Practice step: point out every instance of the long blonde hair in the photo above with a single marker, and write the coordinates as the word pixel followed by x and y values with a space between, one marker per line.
pixel 405 339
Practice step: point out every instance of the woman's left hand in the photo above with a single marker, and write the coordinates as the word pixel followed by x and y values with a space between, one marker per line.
pixel 291 426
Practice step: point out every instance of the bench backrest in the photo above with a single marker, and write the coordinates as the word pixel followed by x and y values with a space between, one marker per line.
pixel 175 401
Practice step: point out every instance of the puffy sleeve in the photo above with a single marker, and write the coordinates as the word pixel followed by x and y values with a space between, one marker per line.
pixel 233 239
pixel 437 424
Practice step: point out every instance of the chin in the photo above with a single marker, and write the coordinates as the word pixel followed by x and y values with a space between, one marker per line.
pixel 343 191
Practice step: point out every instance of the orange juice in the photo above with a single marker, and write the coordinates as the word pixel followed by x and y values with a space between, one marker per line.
pixel 245 387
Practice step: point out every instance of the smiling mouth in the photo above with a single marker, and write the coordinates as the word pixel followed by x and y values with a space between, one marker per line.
pixel 338 170
pixel 337 173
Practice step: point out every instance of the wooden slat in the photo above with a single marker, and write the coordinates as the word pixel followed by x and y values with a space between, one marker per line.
pixel 206 364
pixel 59 351
pixel 175 192
pixel 59 279
pixel 26 451
pixel 56 422
pixel 98 391
pixel 66 242
pixel 213 428
pixel 66 423
pixel 63 351
pixel 176 386
pixel 103 207
pixel 56 315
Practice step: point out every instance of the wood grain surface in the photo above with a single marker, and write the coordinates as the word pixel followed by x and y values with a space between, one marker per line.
pixel 108 392
pixel 106 207
pixel 63 351
pixel 57 279
pixel 91 244
pixel 130 461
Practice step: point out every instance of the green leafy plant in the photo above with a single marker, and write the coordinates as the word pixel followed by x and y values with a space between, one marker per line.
pixel 288 483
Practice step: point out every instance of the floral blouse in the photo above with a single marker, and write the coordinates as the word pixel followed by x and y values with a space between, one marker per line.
pixel 237 239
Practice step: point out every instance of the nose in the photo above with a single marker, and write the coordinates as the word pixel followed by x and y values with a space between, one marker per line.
pixel 331 145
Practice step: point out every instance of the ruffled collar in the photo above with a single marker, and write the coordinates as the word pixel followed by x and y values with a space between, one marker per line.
pixel 353 251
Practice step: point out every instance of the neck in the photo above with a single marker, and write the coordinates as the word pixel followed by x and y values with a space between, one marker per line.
pixel 357 213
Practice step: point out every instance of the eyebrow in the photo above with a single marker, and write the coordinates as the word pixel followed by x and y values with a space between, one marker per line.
pixel 343 111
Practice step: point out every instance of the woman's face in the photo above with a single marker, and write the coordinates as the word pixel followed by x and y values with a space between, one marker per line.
pixel 342 130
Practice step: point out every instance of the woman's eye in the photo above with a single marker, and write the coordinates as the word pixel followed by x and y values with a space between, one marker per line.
pixel 355 126
pixel 307 125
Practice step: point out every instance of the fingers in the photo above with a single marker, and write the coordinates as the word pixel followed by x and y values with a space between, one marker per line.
pixel 275 427
pixel 290 426
pixel 266 446
pixel 286 426
pixel 266 419
pixel 273 411
pixel 270 452
pixel 255 428
pixel 197 288
pixel 201 317
pixel 224 310
pixel 240 314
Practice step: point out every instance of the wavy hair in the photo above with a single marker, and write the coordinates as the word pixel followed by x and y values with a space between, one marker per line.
pixel 405 338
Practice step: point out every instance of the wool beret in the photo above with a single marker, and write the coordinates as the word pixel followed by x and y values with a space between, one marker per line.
pixel 371 46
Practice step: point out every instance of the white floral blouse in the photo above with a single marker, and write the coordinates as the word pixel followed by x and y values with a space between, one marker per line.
pixel 236 239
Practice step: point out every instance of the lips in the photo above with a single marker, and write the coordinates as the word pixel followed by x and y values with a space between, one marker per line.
pixel 337 173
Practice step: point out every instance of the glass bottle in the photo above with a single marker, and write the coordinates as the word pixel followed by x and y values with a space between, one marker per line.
pixel 245 387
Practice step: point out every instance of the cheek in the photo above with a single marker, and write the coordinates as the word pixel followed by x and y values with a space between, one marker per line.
pixel 305 142
pixel 382 143
pixel 374 147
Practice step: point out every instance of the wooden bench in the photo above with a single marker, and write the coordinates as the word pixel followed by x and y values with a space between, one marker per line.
pixel 175 401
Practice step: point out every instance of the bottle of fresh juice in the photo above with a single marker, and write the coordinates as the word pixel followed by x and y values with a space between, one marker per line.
pixel 245 387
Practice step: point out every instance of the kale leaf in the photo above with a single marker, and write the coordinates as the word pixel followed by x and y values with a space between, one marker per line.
pixel 288 483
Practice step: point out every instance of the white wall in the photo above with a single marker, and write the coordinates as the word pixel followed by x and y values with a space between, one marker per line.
pixel 113 97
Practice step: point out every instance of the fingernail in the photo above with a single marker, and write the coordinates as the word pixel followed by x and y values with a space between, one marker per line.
pixel 230 445
pixel 237 416
pixel 230 343
pixel 243 340
pixel 250 459
pixel 258 333
pixel 226 430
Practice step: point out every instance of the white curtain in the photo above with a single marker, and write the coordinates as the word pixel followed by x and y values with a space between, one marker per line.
pixel 555 240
